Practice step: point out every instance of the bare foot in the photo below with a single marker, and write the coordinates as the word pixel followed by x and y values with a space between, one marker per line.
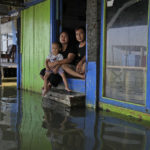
pixel 67 89
pixel 82 76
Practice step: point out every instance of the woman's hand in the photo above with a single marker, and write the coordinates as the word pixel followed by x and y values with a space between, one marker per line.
pixel 51 65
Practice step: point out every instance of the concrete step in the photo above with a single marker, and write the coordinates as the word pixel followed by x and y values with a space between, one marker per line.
pixel 57 107
pixel 71 99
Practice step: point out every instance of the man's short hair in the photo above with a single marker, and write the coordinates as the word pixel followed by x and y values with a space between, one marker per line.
pixel 80 27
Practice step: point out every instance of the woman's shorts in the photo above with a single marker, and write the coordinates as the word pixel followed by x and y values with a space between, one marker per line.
pixel 54 79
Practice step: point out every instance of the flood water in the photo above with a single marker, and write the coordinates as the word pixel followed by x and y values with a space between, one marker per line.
pixel 29 123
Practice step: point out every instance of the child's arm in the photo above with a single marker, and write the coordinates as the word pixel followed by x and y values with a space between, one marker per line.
pixel 55 69
pixel 46 64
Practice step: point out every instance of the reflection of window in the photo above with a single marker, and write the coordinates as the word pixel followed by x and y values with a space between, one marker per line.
pixel 6 41
pixel 126 51
pixel 121 137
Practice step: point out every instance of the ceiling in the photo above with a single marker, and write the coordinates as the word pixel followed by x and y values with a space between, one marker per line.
pixel 7 6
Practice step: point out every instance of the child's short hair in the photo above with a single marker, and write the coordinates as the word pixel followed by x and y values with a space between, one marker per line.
pixel 58 44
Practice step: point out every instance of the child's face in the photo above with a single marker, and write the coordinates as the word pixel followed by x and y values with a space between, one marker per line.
pixel 64 39
pixel 80 35
pixel 55 49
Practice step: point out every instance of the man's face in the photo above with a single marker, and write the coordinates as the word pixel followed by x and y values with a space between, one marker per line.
pixel 80 35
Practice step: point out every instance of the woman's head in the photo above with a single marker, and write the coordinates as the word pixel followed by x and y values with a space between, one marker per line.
pixel 64 37
pixel 80 34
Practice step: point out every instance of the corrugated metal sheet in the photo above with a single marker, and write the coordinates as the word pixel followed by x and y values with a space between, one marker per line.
pixel 35 43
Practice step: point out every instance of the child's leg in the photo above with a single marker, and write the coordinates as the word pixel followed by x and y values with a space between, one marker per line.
pixel 65 81
pixel 46 84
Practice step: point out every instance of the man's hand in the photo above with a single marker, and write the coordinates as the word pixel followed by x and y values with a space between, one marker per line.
pixel 79 67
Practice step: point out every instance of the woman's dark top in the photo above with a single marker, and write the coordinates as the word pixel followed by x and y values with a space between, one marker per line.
pixel 70 49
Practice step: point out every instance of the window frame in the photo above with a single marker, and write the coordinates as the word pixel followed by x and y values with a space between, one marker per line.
pixel 143 108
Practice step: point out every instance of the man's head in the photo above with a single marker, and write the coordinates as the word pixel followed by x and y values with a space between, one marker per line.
pixel 80 34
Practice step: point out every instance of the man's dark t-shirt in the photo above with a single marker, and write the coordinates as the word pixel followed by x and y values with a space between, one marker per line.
pixel 81 51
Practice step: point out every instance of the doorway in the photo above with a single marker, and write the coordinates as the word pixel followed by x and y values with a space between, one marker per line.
pixel 69 15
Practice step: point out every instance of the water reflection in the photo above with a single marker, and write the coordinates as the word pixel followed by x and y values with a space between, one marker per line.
pixel 27 123
pixel 8 118
pixel 61 130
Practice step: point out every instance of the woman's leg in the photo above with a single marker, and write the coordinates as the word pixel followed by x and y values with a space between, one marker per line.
pixel 42 73
pixel 70 71
pixel 65 81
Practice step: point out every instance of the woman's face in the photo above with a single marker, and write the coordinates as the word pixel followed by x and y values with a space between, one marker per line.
pixel 64 38
pixel 80 35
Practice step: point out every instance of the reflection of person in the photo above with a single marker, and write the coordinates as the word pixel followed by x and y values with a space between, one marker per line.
pixel 62 132
pixel 55 56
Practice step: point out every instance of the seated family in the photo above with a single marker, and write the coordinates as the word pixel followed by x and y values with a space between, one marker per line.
pixel 65 57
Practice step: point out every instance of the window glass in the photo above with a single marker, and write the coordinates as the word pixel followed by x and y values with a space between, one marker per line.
pixel 126 50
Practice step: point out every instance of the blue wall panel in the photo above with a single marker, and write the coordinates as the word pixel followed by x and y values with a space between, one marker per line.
pixel 91 83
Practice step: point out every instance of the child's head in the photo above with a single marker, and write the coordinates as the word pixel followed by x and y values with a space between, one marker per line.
pixel 80 34
pixel 55 48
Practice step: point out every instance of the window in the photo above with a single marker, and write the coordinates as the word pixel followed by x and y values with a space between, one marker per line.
pixel 126 51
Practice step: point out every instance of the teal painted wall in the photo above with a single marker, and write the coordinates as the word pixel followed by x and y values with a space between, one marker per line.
pixel 35 43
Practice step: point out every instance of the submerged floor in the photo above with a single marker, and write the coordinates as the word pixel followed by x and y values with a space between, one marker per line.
pixel 29 123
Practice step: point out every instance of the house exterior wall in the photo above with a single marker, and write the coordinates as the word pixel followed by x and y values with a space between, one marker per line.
pixel 35 43
pixel 93 50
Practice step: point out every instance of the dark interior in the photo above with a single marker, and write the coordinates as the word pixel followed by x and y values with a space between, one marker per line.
pixel 74 14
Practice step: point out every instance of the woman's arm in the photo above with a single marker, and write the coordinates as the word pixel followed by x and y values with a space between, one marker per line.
pixel 69 59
